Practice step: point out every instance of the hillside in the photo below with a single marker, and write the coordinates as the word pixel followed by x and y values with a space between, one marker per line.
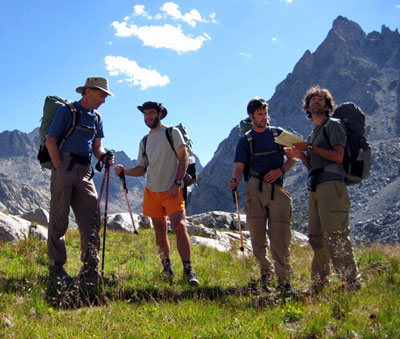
pixel 355 66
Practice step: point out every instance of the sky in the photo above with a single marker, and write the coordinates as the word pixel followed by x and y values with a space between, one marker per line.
pixel 203 60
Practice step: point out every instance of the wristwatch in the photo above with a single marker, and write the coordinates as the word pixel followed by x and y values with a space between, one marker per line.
pixel 283 170
pixel 309 147
pixel 177 182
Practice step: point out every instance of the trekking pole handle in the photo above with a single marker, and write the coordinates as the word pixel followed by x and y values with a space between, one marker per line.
pixel 123 181
pixel 235 192
pixel 106 158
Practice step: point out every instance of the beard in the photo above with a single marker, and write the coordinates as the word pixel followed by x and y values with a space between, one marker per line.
pixel 154 124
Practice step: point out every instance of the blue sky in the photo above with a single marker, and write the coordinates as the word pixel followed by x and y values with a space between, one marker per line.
pixel 204 60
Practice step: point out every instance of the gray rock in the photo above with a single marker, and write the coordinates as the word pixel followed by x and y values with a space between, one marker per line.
pixel 123 222
pixel 39 216
pixel 39 232
pixel 213 219
pixel 13 229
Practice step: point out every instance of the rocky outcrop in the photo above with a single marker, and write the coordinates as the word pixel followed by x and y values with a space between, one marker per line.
pixel 207 229
pixel 355 66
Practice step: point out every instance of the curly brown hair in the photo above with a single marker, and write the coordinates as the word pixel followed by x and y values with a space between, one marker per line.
pixel 323 92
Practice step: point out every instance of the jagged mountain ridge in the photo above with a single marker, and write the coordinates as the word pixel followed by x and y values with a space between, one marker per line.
pixel 25 187
pixel 355 66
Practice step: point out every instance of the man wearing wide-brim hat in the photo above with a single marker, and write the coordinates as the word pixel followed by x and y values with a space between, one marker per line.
pixel 71 178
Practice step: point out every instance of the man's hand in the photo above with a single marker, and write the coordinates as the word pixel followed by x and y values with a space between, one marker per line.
pixel 108 157
pixel 302 146
pixel 272 175
pixel 292 152
pixel 118 169
pixel 173 191
pixel 233 183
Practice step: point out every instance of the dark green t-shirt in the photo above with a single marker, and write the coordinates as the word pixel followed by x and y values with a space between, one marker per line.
pixel 337 136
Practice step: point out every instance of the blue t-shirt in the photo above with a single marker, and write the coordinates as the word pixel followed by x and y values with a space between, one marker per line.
pixel 79 142
pixel 262 143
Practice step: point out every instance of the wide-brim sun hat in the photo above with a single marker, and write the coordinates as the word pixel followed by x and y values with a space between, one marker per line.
pixel 155 105
pixel 95 82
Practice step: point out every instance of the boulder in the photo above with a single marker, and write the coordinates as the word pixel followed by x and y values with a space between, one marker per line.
pixel 39 216
pixel 12 228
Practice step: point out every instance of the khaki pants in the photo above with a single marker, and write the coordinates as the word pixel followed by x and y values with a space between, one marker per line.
pixel 328 231
pixel 260 209
pixel 73 188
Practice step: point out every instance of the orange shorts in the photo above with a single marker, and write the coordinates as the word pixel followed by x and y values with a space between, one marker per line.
pixel 159 205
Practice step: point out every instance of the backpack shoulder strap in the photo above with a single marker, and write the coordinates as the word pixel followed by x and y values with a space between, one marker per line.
pixel 144 141
pixel 168 134
pixel 325 131
pixel 75 120
pixel 276 134
pixel 250 140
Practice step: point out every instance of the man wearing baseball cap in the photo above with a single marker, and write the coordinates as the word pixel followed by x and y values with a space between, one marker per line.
pixel 71 179
pixel 163 195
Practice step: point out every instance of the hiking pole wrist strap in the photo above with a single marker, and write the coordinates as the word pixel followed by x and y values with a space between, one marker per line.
pixel 104 161
pixel 235 193
pixel 123 181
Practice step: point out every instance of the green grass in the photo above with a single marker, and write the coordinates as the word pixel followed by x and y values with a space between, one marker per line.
pixel 133 304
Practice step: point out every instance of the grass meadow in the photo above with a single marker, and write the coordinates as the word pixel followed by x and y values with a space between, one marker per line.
pixel 130 303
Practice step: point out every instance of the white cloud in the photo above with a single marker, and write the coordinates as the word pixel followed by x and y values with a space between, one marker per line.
pixel 212 17
pixel 248 55
pixel 138 76
pixel 139 10
pixel 274 39
pixel 397 6
pixel 166 36
pixel 172 9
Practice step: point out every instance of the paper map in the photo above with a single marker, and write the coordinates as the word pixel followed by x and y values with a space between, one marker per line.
pixel 287 139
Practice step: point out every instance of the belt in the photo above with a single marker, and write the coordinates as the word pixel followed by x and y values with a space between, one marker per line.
pixel 79 159
pixel 260 177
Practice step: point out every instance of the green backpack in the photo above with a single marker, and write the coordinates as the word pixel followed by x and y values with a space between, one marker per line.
pixel 51 105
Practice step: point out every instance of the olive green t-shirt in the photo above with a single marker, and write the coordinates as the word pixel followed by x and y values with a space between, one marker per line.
pixel 337 136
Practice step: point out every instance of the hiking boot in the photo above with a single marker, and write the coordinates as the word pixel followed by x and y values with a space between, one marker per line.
pixel 191 276
pixel 266 282
pixel 89 274
pixel 58 273
pixel 285 290
pixel 168 271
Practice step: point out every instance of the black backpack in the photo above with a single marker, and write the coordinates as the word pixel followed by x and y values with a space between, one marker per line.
pixel 358 154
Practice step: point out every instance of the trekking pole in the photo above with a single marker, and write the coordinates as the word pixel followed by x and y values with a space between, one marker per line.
pixel 107 176
pixel 236 200
pixel 125 189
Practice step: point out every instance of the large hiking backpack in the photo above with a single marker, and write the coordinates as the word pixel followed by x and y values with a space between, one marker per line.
pixel 245 125
pixel 249 138
pixel 358 154
pixel 190 176
pixel 51 105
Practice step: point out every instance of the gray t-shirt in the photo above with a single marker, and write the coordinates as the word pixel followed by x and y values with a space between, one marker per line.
pixel 337 136
pixel 162 162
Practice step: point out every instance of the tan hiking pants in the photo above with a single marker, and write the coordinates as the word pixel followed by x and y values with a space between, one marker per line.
pixel 328 231
pixel 73 188
pixel 272 205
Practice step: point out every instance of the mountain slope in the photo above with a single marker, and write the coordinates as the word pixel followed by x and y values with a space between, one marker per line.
pixel 355 67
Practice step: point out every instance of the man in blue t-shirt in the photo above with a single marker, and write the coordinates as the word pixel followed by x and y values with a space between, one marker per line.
pixel 266 199
pixel 71 179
